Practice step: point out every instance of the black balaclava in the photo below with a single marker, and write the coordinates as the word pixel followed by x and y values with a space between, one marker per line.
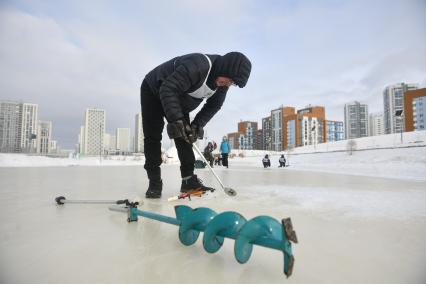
pixel 233 65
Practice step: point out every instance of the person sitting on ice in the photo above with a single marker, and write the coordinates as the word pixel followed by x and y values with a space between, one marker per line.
pixel 266 162
pixel 282 161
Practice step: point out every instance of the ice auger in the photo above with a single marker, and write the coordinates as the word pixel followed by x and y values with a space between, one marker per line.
pixel 262 230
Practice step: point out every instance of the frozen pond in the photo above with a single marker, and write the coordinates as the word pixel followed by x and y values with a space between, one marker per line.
pixel 351 229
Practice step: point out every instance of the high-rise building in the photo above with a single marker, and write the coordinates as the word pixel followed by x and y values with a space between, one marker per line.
pixel 113 142
pixel 110 143
pixel 107 143
pixel 94 131
pixel 54 146
pixel 123 139
pixel 415 109
pixel 291 132
pixel 393 101
pixel 376 124
pixel 311 128
pixel 232 140
pixel 139 146
pixel 29 127
pixel 290 129
pixel 81 140
pixel 10 126
pixel 279 120
pixel 276 129
pixel 356 120
pixel 266 133
pixel 44 137
pixel 335 130
pixel 18 127
pixel 246 134
pixel 258 140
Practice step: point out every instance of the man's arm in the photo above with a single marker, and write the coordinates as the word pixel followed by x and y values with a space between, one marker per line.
pixel 188 73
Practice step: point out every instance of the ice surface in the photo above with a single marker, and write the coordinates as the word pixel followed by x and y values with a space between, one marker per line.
pixel 359 218
pixel 351 228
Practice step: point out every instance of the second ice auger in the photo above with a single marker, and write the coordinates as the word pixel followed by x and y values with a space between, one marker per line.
pixel 262 230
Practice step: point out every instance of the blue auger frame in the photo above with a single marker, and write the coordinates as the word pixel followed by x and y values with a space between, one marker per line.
pixel 262 230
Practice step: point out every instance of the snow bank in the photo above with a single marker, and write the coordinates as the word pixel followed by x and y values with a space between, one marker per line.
pixel 22 160
pixel 383 156
pixel 403 163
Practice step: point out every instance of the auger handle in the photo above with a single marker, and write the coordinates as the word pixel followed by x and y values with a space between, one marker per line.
pixel 173 198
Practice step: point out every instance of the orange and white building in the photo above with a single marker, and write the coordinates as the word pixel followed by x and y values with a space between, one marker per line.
pixel 415 109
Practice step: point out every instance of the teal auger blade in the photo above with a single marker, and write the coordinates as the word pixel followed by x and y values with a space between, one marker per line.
pixel 193 223
pixel 224 224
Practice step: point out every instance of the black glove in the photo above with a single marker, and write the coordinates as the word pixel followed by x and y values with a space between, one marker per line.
pixel 197 131
pixel 181 129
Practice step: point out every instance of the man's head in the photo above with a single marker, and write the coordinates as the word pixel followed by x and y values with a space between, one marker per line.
pixel 232 68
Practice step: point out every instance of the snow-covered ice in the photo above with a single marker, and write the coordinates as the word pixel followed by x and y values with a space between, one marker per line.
pixel 393 160
pixel 360 218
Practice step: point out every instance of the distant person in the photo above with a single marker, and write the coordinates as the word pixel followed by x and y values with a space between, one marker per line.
pixel 282 161
pixel 208 152
pixel 225 149
pixel 266 162
pixel 172 90
pixel 217 160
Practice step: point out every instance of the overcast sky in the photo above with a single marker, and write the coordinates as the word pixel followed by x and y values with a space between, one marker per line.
pixel 67 56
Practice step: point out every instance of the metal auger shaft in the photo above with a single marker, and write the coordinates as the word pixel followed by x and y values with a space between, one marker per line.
pixel 61 200
pixel 262 230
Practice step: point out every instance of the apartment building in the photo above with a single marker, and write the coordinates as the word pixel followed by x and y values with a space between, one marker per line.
pixel 93 131
pixel 123 139
pixel 393 101
pixel 279 131
pixel 10 126
pixel 18 127
pixel 311 127
pixel 139 145
pixel 334 131
pixel 356 120
pixel 246 134
pixel 44 137
pixel 233 140
pixel 376 124
pixel 266 133
pixel 415 109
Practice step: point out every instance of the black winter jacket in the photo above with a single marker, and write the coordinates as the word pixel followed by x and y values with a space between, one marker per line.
pixel 174 79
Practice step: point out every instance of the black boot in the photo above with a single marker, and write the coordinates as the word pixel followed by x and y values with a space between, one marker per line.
pixel 194 184
pixel 154 189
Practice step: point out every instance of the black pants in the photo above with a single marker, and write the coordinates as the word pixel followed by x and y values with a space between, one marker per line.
pixel 153 125
pixel 225 159
pixel 209 158
pixel 282 164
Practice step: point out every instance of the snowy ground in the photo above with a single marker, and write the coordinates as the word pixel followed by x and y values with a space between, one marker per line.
pixel 403 163
pixel 360 218
pixel 379 156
